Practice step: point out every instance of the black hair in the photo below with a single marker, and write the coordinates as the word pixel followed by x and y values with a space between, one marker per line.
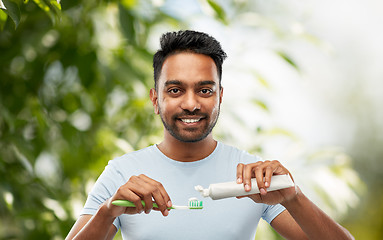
pixel 187 41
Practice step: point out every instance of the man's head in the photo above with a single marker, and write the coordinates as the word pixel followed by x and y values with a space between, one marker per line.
pixel 188 90
pixel 187 41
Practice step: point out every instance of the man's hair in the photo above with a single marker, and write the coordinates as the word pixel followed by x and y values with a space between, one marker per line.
pixel 187 41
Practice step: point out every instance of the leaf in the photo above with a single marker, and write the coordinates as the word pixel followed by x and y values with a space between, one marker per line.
pixel 288 59
pixel 129 3
pixel 2 5
pixel 13 11
pixel 280 131
pixel 42 5
pixel 50 7
pixel 127 23
pixel 56 8
pixel 261 104
pixel 261 79
pixel 56 5
pixel 3 19
pixel 221 14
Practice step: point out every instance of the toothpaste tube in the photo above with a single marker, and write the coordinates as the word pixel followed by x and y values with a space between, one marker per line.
pixel 233 189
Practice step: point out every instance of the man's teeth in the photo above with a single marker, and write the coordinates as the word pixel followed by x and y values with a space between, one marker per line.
pixel 190 120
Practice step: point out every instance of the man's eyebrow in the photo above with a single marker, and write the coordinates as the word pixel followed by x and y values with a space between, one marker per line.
pixel 178 82
pixel 206 82
pixel 173 82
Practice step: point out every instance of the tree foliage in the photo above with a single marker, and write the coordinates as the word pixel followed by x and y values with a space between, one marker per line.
pixel 69 93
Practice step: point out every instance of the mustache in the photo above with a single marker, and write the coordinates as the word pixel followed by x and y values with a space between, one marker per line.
pixel 187 113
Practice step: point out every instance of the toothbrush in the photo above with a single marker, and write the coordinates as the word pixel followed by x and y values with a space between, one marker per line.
pixel 193 203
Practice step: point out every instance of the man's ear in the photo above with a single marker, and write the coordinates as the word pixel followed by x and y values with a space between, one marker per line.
pixel 220 95
pixel 154 99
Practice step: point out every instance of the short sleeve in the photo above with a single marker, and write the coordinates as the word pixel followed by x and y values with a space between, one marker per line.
pixel 104 188
pixel 271 211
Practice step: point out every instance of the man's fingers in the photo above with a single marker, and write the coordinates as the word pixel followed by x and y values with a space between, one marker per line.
pixel 125 192
pixel 142 190
pixel 259 174
pixel 158 193
pixel 240 168
pixel 262 171
pixel 248 174
pixel 269 171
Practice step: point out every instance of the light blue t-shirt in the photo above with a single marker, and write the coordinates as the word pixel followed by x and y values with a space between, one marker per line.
pixel 230 218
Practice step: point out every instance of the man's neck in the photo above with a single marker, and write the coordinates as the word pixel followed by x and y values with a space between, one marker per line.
pixel 185 151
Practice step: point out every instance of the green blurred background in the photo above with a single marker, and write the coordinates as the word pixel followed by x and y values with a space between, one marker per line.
pixel 302 84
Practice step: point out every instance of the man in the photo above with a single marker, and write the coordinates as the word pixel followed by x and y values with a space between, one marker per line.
pixel 187 96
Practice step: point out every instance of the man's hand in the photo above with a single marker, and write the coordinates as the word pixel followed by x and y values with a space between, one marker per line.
pixel 263 171
pixel 136 189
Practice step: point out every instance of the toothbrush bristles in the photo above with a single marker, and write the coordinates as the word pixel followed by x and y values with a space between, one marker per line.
pixel 195 204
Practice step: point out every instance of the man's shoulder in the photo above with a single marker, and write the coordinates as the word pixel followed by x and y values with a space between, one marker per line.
pixel 141 154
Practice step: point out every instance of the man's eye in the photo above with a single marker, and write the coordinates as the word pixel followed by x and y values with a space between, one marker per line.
pixel 206 91
pixel 174 90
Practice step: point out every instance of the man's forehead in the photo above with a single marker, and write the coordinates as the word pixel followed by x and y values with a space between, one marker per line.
pixel 184 60
pixel 187 68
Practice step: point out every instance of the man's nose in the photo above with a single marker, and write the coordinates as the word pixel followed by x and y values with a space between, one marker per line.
pixel 190 102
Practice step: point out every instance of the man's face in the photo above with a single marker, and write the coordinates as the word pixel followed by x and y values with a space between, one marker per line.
pixel 188 97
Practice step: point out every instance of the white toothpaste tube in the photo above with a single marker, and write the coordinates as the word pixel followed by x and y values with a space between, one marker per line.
pixel 233 189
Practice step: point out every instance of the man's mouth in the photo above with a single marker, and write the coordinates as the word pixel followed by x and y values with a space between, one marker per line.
pixel 189 120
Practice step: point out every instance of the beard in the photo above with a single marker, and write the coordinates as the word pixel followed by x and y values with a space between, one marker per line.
pixel 190 134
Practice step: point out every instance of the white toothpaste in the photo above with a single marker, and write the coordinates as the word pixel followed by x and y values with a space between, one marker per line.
pixel 233 189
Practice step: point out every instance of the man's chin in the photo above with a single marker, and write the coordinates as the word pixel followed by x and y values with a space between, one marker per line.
pixel 190 138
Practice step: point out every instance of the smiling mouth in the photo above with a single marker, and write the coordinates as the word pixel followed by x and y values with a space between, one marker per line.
pixel 188 120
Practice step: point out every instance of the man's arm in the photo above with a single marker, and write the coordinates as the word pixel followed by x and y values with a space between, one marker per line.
pixel 312 220
pixel 287 227
pixel 92 227
pixel 303 219
pixel 100 226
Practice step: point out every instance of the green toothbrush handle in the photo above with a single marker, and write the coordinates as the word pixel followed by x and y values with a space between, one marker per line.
pixel 126 203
